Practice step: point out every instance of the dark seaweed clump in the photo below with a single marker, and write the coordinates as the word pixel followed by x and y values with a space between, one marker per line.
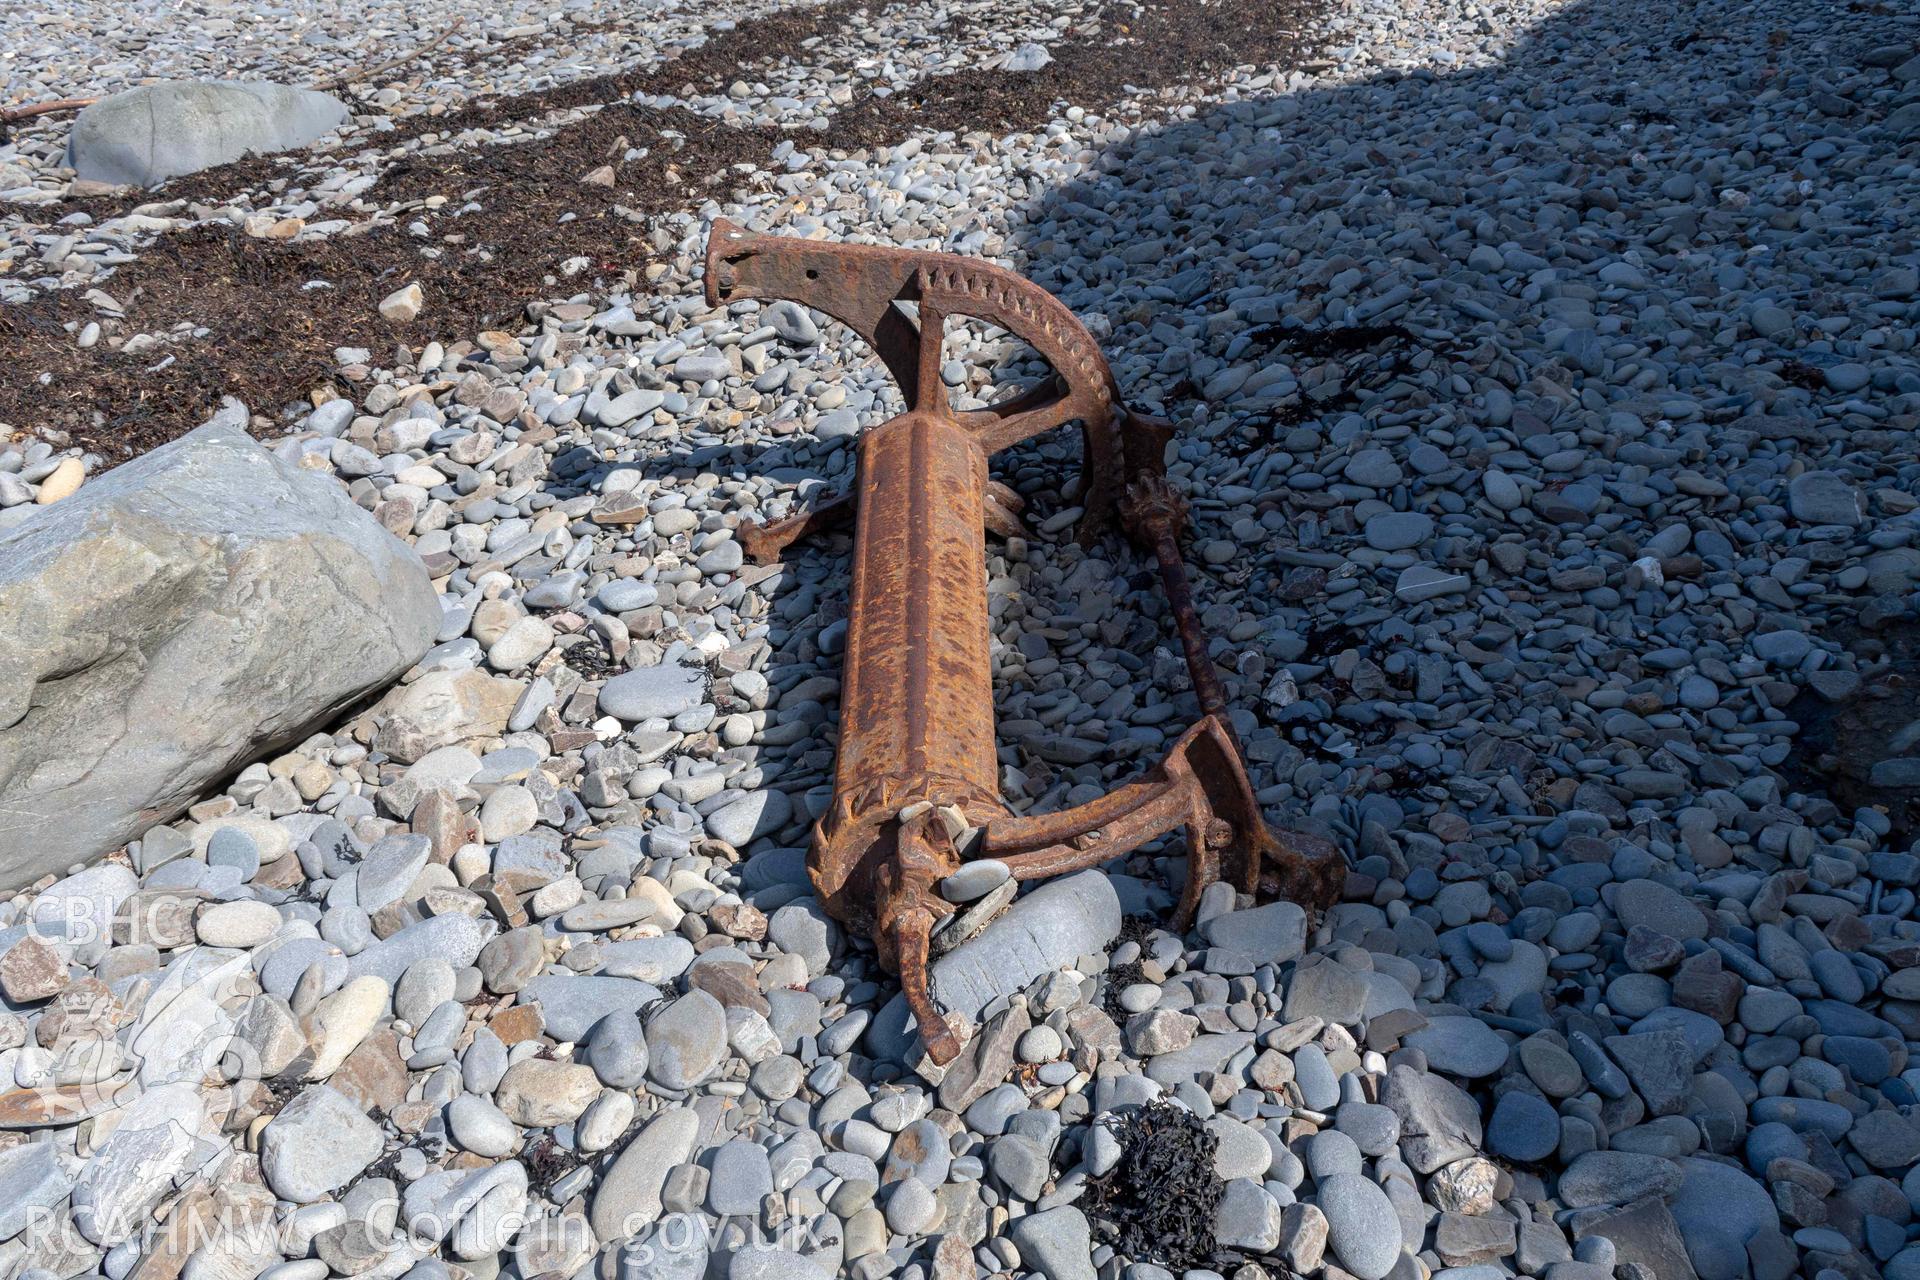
pixel 1157 1203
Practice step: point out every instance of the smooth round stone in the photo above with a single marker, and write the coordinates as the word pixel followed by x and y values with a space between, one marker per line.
pixel 756 814
pixel 1847 378
pixel 348 928
pixel 427 984
pixel 777 1079
pixel 1636 995
pixel 480 1127
pixel 1374 468
pixel 1460 1046
pixel 557 592
pixel 1330 1152
pixel 623 595
pixel 242 923
pixel 605 1119
pixel 742 1176
pixel 1489 941
pixel 1699 693
pixel 1502 490
pixel 675 521
pixel 1040 1044
pixel 1363 1231
pixel 660 692
pixel 1374 1129
pixel 232 847
pixel 1595 1249
pixel 1242 1151
pixel 911 1209
pixel 1056 1072
pixel 433 1043
pixel 656 960
pixel 484 1062
pixel 1399 530
pixel 726 557
pixel 1523 1127
pixel 509 811
pixel 686 1040
pixel 974 880
pixel 522 643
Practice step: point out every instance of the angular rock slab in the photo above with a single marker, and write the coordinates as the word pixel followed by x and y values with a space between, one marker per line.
pixel 161 131
pixel 1047 929
pixel 179 617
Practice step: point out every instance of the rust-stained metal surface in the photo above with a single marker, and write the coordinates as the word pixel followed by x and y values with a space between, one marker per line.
pixel 916 788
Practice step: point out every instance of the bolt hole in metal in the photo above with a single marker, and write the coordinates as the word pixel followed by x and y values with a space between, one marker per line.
pixel 916 788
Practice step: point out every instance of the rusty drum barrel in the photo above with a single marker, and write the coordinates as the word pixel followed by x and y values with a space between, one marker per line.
pixel 916 705
pixel 918 699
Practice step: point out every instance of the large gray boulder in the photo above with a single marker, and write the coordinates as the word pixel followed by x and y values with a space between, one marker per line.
pixel 160 131
pixel 176 619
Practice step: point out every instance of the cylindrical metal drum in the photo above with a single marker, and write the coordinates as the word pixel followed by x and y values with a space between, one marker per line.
pixel 916 703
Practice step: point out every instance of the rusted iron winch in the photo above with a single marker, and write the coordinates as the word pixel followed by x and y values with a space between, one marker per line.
pixel 917 748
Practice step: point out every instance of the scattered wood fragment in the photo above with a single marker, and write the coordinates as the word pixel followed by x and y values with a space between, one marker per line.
pixel 368 73
pixel 10 114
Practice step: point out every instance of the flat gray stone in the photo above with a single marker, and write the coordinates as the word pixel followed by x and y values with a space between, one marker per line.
pixel 755 814
pixel 1718 1209
pixel 1399 530
pixel 1523 1127
pixel 34 1182
pixel 628 1198
pixel 654 960
pixel 974 880
pixel 570 1006
pixel 1460 1046
pixel 389 868
pixel 318 1143
pixel 741 1178
pixel 803 928
pixel 773 1264
pixel 1046 930
pixel 1363 1231
pixel 1653 905
pixel 686 1040
pixel 1272 934
pixel 454 938
pixel 654 692
pixel 1055 1243
pixel 1247 1217
pixel 1822 497
pixel 1439 1123
pixel 617 1051
pixel 1617 1177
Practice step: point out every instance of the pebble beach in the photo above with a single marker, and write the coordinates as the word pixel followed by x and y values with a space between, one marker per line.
pixel 1549 416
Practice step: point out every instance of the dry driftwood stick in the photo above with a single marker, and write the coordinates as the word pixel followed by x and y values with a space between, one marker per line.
pixel 368 73
pixel 9 114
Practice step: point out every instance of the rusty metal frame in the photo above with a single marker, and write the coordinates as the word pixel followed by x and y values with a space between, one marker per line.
pixel 917 769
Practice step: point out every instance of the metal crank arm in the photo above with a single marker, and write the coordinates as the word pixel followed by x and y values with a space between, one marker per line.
pixel 1200 785
pixel 917 762
pixel 763 543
